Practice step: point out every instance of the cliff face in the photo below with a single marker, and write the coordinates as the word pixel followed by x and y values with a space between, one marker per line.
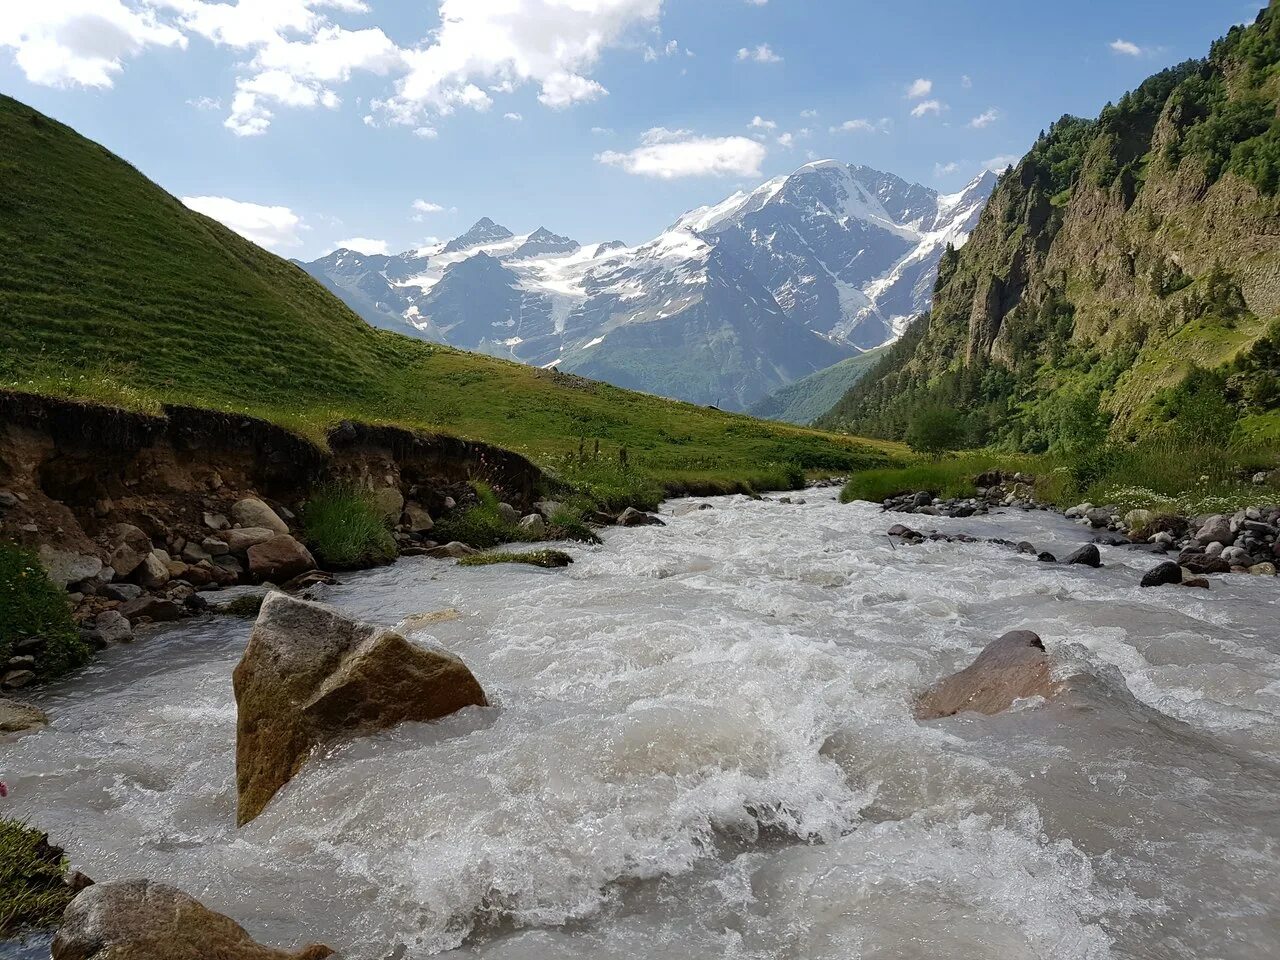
pixel 1118 254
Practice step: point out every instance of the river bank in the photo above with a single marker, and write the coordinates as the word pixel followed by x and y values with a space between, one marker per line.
pixel 701 740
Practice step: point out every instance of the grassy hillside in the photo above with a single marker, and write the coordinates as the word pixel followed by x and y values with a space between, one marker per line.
pixel 810 397
pixel 114 291
pixel 1126 271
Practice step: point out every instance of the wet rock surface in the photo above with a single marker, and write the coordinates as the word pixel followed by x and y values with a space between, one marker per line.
pixel 1011 668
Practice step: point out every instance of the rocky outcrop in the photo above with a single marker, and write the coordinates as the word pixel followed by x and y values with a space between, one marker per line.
pixel 142 920
pixel 1012 668
pixel 311 676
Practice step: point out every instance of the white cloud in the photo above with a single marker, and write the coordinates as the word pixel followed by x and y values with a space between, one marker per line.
pixel 60 43
pixel 760 123
pixel 787 140
pixel 273 227
pixel 998 164
pixel 985 119
pixel 517 117
pixel 365 245
pixel 945 169
pixel 918 88
pixel 603 131
pixel 426 133
pixel 761 53
pixel 808 114
pixel 757 3
pixel 426 206
pixel 669 154
pixel 1126 47
pixel 205 103
pixel 927 106
pixel 966 81
pixel 669 49
pixel 862 126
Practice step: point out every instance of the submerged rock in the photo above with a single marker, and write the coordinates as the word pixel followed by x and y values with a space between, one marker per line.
pixel 1163 573
pixel 142 920
pixel 631 517
pixel 1012 668
pixel 310 676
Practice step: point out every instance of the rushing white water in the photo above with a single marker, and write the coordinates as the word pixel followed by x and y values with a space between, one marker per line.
pixel 701 745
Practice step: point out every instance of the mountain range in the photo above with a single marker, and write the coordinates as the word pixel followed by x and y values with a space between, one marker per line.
pixel 728 304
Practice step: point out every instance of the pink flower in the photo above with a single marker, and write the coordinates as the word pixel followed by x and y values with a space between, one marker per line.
pixel 4 790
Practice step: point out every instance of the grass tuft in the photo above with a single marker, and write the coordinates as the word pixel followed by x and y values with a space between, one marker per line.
pixel 537 558
pixel 31 606
pixel 33 888
pixel 345 529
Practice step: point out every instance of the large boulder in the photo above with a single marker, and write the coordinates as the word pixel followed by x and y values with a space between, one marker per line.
pixel 1163 574
pixel 416 519
pixel 129 547
pixel 1087 556
pixel 1216 529
pixel 65 567
pixel 310 676
pixel 389 502
pixel 1012 668
pixel 153 572
pixel 16 716
pixel 631 517
pixel 252 512
pixel 142 920
pixel 280 558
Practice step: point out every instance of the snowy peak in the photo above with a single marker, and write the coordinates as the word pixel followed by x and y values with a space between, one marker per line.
pixel 543 243
pixel 482 232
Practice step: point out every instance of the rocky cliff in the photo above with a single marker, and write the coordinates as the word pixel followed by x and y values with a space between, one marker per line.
pixel 1117 259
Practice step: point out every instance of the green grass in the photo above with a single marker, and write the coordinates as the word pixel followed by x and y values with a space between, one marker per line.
pixel 480 525
pixel 810 397
pixel 610 486
pixel 345 530
pixel 1160 474
pixel 32 606
pixel 33 889
pixel 538 558
pixel 114 291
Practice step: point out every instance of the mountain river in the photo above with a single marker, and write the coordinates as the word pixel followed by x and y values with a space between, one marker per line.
pixel 701 745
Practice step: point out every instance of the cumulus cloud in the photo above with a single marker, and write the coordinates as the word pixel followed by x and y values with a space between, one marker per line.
pixel 861 125
pixel 760 123
pixel 925 107
pixel 365 245
pixel 808 114
pixel 918 88
pixel 998 164
pixel 985 119
pixel 671 154
pixel 273 227
pixel 787 141
pixel 516 117
pixel 762 53
pixel 945 169
pixel 61 43
pixel 966 81
pixel 426 206
pixel 294 53
pixel 1126 47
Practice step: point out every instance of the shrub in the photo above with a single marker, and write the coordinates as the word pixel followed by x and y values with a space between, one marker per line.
pixel 566 524
pixel 345 529
pixel 32 606
pixel 33 888
pixel 480 525
pixel 935 431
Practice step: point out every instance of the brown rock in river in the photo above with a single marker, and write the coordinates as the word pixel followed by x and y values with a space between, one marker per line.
pixel 280 558
pixel 1011 668
pixel 141 920
pixel 310 676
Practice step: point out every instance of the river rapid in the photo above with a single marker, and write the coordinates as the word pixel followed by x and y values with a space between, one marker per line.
pixel 701 745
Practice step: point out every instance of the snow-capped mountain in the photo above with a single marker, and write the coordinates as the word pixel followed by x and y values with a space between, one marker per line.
pixel 729 303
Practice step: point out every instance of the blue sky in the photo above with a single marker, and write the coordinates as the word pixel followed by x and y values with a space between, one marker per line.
pixel 304 123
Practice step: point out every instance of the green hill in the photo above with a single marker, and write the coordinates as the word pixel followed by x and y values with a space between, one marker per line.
pixel 810 397
pixel 1129 262
pixel 112 290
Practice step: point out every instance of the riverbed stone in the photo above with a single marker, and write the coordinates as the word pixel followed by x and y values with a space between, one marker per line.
pixel 1087 556
pixel 1162 574
pixel 155 609
pixel 310 676
pixel 389 502
pixel 153 572
pixel 144 920
pixel 279 559
pixel 252 512
pixel 113 626
pixel 453 550
pixel 1264 569
pixel 534 525
pixel 238 541
pixel 16 716
pixel 510 515
pixel 129 546
pixel 1014 667
pixel 631 517
pixel 1216 529
pixel 416 519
